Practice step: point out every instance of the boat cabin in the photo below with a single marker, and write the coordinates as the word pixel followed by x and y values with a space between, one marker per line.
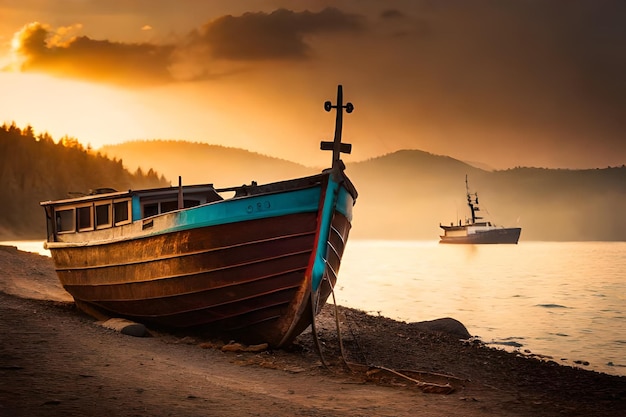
pixel 109 208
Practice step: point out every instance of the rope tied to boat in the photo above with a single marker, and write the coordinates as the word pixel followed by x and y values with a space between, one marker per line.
pixel 372 371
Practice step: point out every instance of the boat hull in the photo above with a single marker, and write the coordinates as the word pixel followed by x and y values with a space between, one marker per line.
pixel 257 280
pixel 493 236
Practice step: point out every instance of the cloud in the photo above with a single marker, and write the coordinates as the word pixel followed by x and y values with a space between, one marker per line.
pixel 277 35
pixel 530 62
pixel 42 49
pixel 280 35
pixel 391 14
pixel 441 74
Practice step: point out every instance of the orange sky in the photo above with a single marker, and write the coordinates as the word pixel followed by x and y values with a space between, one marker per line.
pixel 504 83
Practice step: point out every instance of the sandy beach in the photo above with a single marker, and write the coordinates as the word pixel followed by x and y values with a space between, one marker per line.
pixel 54 360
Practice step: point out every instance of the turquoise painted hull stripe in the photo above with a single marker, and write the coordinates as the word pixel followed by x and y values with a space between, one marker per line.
pixel 249 208
pixel 259 207
pixel 345 202
pixel 136 208
pixel 334 194
pixel 252 208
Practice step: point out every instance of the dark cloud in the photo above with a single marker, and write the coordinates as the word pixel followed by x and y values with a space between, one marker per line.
pixel 280 35
pixel 277 35
pixel 391 14
pixel 536 64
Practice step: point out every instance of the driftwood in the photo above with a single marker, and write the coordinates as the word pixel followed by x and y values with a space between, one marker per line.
pixel 239 347
pixel 382 374
pixel 376 373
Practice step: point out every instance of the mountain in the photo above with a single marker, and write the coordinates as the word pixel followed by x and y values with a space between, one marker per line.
pixel 407 194
pixel 200 163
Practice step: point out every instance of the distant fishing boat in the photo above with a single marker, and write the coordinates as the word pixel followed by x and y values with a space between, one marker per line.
pixel 257 265
pixel 475 229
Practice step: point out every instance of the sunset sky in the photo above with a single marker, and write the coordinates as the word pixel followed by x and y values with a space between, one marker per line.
pixel 501 82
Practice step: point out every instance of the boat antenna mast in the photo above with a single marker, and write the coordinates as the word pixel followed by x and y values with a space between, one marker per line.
pixel 336 146
pixel 473 204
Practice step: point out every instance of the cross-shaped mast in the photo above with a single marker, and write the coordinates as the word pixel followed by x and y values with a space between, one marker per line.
pixel 336 146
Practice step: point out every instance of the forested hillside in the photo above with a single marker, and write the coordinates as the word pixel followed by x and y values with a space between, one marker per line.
pixel 35 168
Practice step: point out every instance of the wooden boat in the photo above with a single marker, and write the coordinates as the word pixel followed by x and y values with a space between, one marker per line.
pixel 257 265
pixel 476 230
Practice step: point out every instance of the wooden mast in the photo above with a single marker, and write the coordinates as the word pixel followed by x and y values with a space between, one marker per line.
pixel 336 146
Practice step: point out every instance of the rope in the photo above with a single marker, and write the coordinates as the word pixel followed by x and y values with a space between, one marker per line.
pixel 314 298
pixel 426 387
pixel 314 329
pixel 352 366
pixel 343 354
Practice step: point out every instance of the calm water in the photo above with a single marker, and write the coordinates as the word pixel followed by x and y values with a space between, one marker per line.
pixel 564 300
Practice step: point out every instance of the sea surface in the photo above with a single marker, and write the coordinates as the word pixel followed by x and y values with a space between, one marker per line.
pixel 562 300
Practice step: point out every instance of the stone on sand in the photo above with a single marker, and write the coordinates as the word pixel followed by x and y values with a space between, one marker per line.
pixel 126 327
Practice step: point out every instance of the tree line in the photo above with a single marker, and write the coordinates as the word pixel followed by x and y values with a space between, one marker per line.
pixel 35 168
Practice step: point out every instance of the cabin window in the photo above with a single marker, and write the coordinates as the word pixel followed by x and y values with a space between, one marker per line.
pixel 158 207
pixel 65 220
pixel 191 203
pixel 173 205
pixel 150 209
pixel 103 215
pixel 121 212
pixel 84 218
pixel 169 206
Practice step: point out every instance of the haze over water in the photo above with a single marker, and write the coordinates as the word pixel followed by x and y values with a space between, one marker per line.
pixel 564 300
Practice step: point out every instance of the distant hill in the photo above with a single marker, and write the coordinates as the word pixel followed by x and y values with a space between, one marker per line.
pixel 35 168
pixel 406 194
pixel 200 163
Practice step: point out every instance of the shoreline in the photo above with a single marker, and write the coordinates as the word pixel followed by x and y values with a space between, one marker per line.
pixel 54 360
pixel 603 358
